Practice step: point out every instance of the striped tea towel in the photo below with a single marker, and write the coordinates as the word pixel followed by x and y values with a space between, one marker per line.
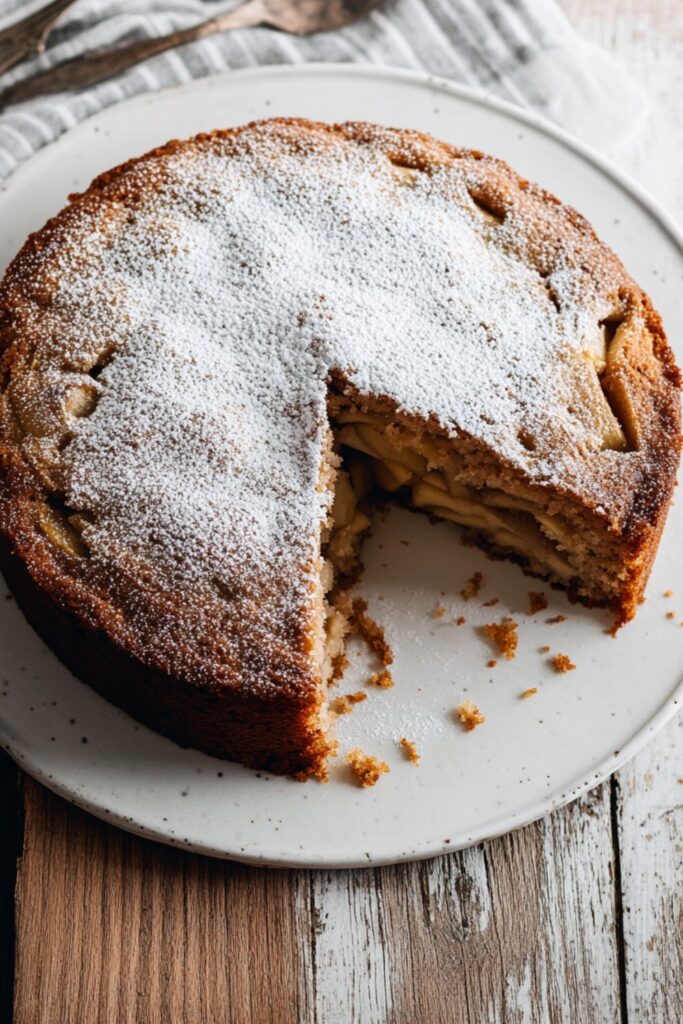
pixel 524 51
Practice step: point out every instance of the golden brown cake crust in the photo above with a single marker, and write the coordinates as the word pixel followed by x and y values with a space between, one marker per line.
pixel 272 733
pixel 244 655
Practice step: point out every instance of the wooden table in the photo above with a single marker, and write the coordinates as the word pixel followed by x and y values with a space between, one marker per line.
pixel 578 918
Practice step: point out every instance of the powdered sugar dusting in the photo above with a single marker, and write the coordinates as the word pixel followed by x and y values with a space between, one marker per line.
pixel 228 293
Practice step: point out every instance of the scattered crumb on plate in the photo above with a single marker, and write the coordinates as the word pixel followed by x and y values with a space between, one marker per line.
pixel 339 667
pixel 438 612
pixel 365 767
pixel 555 619
pixel 343 705
pixel 544 649
pixel 668 593
pixel 470 716
pixel 382 679
pixel 537 602
pixel 531 692
pixel 671 615
pixel 561 663
pixel 504 635
pixel 322 772
pixel 490 604
pixel 461 620
pixel 473 586
pixel 410 750
pixel 371 632
pixel 491 663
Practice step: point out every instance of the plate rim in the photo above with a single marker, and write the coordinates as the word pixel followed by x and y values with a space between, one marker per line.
pixel 505 823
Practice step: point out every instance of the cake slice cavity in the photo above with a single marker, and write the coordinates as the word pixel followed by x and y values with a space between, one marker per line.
pixel 551 535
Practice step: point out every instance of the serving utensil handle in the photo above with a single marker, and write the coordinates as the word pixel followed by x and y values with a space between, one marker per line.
pixel 97 67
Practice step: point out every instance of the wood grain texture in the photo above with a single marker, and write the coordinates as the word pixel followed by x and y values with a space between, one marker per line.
pixel 112 928
pixel 650 802
pixel 10 839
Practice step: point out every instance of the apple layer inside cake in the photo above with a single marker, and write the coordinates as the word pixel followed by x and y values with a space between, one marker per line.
pixel 385 455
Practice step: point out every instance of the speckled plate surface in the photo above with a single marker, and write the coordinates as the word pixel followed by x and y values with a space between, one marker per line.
pixel 530 755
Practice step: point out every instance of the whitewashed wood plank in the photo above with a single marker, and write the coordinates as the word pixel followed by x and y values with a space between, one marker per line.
pixel 522 929
pixel 651 844
pixel 346 959
pixel 569 972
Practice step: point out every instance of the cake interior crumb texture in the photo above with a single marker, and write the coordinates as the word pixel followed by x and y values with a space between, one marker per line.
pixel 221 355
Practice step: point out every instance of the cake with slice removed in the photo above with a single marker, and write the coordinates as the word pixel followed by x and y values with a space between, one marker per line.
pixel 217 355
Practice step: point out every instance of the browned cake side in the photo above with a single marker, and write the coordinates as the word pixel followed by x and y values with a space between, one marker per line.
pixel 278 731
pixel 166 467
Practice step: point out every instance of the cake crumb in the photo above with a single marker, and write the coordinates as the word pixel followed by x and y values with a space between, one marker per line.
pixel 365 767
pixel 438 612
pixel 473 586
pixel 373 634
pixel 531 692
pixel 555 619
pixel 492 663
pixel 544 649
pixel 490 604
pixel 340 663
pixel 382 679
pixel 461 620
pixel 671 615
pixel 504 635
pixel 561 663
pixel 537 602
pixel 668 593
pixel 410 750
pixel 343 705
pixel 470 716
pixel 322 772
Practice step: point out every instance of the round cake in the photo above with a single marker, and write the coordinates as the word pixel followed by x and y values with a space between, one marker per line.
pixel 218 355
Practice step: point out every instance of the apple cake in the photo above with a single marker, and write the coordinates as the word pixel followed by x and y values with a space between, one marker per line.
pixel 217 356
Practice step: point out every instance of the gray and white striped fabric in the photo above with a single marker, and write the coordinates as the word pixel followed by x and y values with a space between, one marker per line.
pixel 524 51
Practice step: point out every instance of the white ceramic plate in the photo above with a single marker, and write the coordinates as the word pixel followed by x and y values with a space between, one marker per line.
pixel 531 755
